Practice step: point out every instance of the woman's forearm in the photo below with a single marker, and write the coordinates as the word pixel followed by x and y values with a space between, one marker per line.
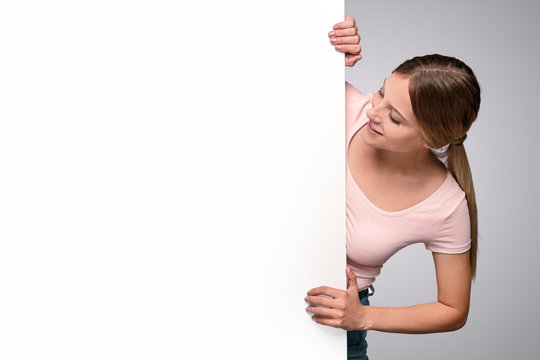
pixel 417 319
pixel 341 308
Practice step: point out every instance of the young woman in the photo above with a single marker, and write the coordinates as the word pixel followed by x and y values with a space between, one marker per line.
pixel 399 193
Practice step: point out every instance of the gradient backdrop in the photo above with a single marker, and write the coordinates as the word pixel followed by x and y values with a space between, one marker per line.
pixel 498 39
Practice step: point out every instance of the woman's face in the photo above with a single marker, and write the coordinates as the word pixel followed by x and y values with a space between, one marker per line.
pixel 392 125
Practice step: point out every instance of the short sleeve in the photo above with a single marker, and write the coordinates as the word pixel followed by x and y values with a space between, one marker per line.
pixel 356 105
pixel 454 235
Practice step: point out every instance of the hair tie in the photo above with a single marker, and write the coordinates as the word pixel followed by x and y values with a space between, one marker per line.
pixel 460 140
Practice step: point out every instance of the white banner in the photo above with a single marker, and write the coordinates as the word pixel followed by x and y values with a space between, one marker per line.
pixel 172 179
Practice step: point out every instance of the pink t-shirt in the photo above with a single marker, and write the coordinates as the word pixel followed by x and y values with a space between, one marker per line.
pixel 441 221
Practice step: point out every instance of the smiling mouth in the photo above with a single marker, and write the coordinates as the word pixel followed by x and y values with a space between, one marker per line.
pixel 371 128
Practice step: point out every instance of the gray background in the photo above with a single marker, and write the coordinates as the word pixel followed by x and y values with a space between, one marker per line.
pixel 499 41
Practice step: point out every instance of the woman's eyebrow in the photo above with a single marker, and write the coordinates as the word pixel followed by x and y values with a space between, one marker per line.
pixel 396 110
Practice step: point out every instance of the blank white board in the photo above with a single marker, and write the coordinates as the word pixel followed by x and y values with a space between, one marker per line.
pixel 172 179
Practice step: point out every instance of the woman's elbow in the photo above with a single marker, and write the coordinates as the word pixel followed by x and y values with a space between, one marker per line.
pixel 459 321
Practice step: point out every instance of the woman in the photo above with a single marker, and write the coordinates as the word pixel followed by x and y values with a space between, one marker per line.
pixel 400 193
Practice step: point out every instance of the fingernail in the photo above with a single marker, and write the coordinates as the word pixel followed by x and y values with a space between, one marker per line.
pixel 307 309
pixel 331 33
pixel 338 47
pixel 333 40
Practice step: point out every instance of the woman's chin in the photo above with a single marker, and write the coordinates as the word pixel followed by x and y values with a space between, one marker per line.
pixel 368 139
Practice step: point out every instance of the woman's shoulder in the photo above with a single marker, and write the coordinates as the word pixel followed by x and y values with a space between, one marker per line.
pixel 356 105
pixel 353 95
pixel 451 196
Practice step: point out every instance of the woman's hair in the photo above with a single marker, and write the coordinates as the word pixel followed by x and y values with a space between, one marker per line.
pixel 445 97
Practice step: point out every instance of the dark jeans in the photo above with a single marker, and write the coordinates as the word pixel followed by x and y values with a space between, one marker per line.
pixel 356 340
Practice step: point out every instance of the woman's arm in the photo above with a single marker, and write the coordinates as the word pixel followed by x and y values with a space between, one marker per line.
pixel 344 37
pixel 448 313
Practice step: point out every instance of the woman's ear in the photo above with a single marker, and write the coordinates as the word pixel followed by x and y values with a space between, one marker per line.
pixel 425 144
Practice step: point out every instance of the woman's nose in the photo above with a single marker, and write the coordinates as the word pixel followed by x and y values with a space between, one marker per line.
pixel 372 115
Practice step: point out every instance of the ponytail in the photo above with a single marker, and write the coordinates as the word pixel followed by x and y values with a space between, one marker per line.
pixel 458 165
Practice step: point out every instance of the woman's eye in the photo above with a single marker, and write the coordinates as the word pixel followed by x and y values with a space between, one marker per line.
pixel 390 113
pixel 392 119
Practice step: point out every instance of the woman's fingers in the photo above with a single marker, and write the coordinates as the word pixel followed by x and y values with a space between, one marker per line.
pixel 350 60
pixel 326 321
pixel 349 22
pixel 349 49
pixel 325 312
pixel 345 32
pixel 345 40
pixel 325 290
pixel 320 300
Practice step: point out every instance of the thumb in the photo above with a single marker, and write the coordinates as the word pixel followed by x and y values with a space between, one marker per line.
pixel 351 60
pixel 351 279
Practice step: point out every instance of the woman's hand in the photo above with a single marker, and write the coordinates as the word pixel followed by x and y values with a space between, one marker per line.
pixel 345 39
pixel 341 309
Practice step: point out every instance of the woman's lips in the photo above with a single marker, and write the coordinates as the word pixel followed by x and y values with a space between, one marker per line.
pixel 374 132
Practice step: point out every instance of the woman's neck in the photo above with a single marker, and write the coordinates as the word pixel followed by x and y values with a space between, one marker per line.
pixel 416 162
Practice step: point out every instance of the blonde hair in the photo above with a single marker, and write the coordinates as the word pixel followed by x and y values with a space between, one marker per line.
pixel 445 97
